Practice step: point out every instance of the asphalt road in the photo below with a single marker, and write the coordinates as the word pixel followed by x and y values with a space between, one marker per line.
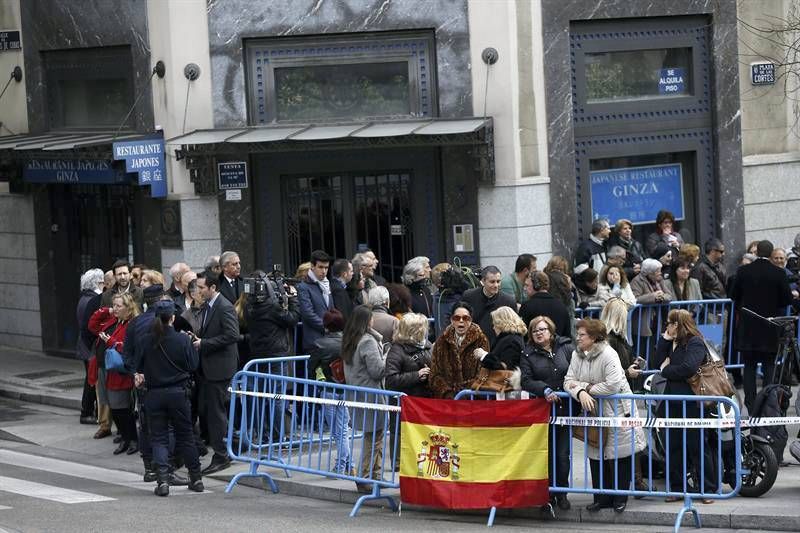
pixel 46 488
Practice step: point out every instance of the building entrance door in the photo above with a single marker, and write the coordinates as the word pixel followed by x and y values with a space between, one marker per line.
pixel 349 211
pixel 91 227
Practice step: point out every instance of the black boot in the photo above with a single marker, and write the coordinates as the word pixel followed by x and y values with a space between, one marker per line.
pixel 177 480
pixel 162 488
pixel 149 473
pixel 196 481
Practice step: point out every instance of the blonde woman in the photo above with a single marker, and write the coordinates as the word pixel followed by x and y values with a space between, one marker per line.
pixel 409 359
pixel 408 366
pixel 510 341
pixel 150 278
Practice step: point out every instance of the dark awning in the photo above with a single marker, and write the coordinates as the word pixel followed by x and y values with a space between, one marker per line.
pixel 291 137
pixel 60 142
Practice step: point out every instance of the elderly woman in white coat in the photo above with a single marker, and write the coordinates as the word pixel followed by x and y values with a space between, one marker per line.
pixel 595 370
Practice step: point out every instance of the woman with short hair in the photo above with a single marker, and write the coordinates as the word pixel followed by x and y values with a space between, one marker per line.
pixel 417 277
pixel 453 366
pixel 91 286
pixel 594 372
pixel 634 252
pixel 664 233
pixel 543 365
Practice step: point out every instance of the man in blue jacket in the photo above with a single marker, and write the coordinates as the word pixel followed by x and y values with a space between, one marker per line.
pixel 314 297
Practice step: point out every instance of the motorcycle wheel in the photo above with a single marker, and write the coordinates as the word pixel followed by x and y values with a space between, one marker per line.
pixel 763 465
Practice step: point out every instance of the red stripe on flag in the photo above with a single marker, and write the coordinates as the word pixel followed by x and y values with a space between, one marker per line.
pixel 474 413
pixel 458 495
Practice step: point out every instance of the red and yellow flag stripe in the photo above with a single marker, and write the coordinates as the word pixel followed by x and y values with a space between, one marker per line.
pixel 474 454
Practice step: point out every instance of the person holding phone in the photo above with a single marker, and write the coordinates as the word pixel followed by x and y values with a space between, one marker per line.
pixel 408 364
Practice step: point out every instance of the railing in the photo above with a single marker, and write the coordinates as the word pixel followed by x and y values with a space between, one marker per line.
pixel 315 427
pixel 701 433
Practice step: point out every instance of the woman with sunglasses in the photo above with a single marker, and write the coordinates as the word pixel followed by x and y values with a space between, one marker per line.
pixel 544 364
pixel 453 366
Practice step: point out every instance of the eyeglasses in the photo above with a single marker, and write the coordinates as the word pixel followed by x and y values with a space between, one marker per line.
pixel 669 323
pixel 540 330
pixel 461 318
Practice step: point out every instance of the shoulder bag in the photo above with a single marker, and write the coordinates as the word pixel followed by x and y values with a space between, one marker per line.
pixel 113 360
pixel 493 380
pixel 190 383
pixel 711 379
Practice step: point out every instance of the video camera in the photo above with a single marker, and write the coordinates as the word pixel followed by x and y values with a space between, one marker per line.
pixel 272 287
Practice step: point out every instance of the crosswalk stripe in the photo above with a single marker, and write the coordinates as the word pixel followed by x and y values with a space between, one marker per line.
pixel 4 507
pixel 94 473
pixel 48 492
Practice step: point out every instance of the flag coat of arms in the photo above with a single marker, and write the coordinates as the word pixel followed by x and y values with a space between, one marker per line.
pixel 461 454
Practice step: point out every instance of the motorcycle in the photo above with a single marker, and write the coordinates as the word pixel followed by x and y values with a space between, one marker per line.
pixel 758 459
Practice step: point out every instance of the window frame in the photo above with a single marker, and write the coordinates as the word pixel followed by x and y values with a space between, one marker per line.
pixel 265 55
pixel 88 64
pixel 671 112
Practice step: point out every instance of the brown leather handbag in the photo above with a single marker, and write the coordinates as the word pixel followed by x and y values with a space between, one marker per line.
pixel 493 380
pixel 590 436
pixel 711 380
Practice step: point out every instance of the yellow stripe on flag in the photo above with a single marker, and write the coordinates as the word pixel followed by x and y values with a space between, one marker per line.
pixel 481 454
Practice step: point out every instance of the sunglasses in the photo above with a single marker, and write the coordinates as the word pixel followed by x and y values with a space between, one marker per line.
pixel 461 318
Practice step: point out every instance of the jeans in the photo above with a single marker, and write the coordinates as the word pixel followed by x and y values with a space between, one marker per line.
pixel 338 419
pixel 165 406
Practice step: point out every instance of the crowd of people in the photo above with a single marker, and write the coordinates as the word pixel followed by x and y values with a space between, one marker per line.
pixel 428 335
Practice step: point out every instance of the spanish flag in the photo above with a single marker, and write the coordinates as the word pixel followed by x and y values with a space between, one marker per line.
pixel 462 454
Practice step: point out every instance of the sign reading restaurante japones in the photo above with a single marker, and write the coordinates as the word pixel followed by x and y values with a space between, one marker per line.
pixel 145 157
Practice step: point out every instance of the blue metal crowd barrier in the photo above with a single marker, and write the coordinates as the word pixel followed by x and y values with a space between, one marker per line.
pixel 716 430
pixel 315 427
pixel 646 322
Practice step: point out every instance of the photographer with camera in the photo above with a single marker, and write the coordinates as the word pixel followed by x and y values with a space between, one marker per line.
pixel 271 312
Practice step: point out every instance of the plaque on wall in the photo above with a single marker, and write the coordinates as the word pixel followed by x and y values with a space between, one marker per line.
pixel 171 236
pixel 9 40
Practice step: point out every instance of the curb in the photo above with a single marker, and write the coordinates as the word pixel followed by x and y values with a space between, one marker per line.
pixel 733 520
pixel 44 398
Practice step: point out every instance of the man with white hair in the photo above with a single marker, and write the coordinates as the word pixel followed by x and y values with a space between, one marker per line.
pixel 231 285
pixel 417 277
pixel 592 251
pixel 91 286
pixel 177 271
pixel 382 321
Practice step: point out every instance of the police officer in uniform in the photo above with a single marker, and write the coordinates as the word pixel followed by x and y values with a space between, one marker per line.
pixel 167 360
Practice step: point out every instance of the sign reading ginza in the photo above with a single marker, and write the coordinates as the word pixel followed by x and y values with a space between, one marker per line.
pixel 637 193
pixel 145 157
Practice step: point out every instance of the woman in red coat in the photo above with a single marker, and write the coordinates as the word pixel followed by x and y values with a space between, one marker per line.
pixel 110 324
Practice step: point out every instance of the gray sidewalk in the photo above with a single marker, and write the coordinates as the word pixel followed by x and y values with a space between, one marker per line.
pixel 38 378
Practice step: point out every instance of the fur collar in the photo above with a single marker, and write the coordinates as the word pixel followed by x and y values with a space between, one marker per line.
pixel 472 335
pixel 593 352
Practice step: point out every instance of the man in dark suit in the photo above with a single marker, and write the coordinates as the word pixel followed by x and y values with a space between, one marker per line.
pixel 763 288
pixel 486 299
pixel 542 303
pixel 315 298
pixel 216 343
pixel 231 284
pixel 341 274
